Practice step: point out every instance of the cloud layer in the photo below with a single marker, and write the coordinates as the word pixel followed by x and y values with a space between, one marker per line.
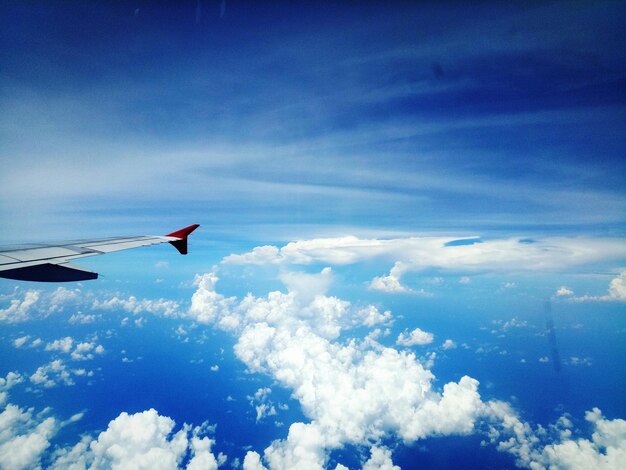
pixel 360 392
pixel 446 254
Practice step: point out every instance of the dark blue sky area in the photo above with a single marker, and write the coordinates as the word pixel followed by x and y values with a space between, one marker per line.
pixel 440 105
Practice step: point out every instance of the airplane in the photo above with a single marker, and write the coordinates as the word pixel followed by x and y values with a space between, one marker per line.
pixel 43 262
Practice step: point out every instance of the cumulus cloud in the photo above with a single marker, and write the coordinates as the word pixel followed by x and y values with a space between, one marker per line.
pixel 616 292
pixel 371 316
pixel 359 392
pixel 327 315
pixel 448 344
pixel 159 307
pixel 356 392
pixel 54 373
pixel 63 345
pixel 564 291
pixel 555 446
pixel 391 283
pixel 79 351
pixel 32 304
pixel 19 342
pixel 417 337
pixel 507 325
pixel 23 438
pixel 8 382
pixel 307 286
pixel 61 297
pixel 82 318
pixel 605 450
pixel 380 459
pixel 142 440
pixel 20 309
pixel 252 461
pixel 263 405
pixel 617 287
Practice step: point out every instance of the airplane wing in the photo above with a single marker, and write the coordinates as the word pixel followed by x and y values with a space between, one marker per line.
pixel 51 263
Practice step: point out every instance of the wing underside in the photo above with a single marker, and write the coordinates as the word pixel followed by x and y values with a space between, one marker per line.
pixel 52 262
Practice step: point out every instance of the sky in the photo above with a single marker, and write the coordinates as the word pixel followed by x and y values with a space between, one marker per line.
pixel 412 250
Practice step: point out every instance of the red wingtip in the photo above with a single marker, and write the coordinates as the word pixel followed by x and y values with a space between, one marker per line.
pixel 183 232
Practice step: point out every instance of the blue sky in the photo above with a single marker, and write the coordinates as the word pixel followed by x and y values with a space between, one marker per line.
pixel 401 188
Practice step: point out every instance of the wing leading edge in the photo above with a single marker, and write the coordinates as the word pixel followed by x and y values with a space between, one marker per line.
pixel 51 263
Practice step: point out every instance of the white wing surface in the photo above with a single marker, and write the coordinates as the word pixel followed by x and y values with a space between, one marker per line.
pixel 51 262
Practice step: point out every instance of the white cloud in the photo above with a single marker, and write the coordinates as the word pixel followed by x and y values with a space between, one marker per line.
pixel 264 410
pixel 159 307
pixel 380 459
pixel 356 392
pixel 371 316
pixel 82 318
pixel 31 304
pixel 616 292
pixel 389 284
pixel 564 291
pixel 52 374
pixel 252 461
pixel 81 351
pixel 359 392
pixel 8 382
pixel 579 361
pixel 417 253
pixel 448 344
pixel 63 345
pixel 605 450
pixel 307 286
pixel 60 297
pixel 19 342
pixel 617 287
pixel 202 457
pixel 20 310
pixel 420 253
pixel 510 324
pixel 301 305
pixel 415 338
pixel 142 440
pixel 263 406
pixel 22 438
pixel 259 255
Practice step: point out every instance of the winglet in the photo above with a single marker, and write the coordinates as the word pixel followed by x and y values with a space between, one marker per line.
pixel 182 234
